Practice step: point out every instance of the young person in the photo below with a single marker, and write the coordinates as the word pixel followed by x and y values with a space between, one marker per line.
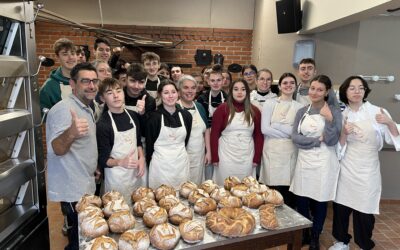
pixel 249 73
pixel 56 87
pixel 176 73
pixel 119 142
pixel 167 135
pixel 198 147
pixel 263 88
pixel 236 138
pixel 279 153
pixel 102 49
pixel 164 71
pixel 227 80
pixel 316 131
pixel 365 128
pixel 151 63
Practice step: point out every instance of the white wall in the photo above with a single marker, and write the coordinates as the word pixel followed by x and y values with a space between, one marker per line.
pixel 234 14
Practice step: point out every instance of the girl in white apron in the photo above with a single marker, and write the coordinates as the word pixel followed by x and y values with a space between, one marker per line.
pixel 167 134
pixel 236 138
pixel 124 169
pixel 317 129
pixel 279 153
pixel 210 100
pixel 263 91
pixel 198 147
pixel 359 186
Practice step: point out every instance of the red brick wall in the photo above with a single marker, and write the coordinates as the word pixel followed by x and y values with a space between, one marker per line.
pixel 234 44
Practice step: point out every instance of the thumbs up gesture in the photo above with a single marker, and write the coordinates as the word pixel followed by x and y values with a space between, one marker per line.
pixel 129 160
pixel 383 118
pixel 79 126
pixel 141 105
pixel 326 112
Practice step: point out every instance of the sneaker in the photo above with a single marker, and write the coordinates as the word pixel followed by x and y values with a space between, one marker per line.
pixel 339 246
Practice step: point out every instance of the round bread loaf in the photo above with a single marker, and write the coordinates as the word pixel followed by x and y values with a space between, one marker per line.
pixel 252 200
pixel 121 221
pixel 115 206
pixel 90 211
pixel 273 196
pixel 168 201
pixel 164 236
pixel 140 206
pixel 141 193
pixel 102 243
pixel 94 227
pixel 208 186
pixel 186 188
pixel 154 216
pixel 179 213
pixel 230 201
pixel 192 231
pixel 219 193
pixel 231 222
pixel 258 188
pixel 249 181
pixel 163 191
pixel 268 218
pixel 134 240
pixel 231 181
pixel 197 194
pixel 111 196
pixel 240 190
pixel 86 200
pixel 204 205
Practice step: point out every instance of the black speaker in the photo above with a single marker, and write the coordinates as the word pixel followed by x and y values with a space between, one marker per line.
pixel 288 15
pixel 203 57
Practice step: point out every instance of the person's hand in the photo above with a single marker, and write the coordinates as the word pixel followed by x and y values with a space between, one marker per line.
pixel 348 127
pixel 255 165
pixel 79 126
pixel 321 138
pixel 140 105
pixel 215 164
pixel 97 174
pixel 326 112
pixel 207 158
pixel 141 167
pixel 383 118
pixel 129 161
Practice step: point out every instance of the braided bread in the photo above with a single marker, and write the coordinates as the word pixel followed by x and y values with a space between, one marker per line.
pixel 268 218
pixel 231 222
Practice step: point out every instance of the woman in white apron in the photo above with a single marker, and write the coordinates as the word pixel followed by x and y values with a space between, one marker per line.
pixel 198 147
pixel 119 145
pixel 210 101
pixel 316 133
pixel 359 188
pixel 167 134
pixel 263 91
pixel 236 138
pixel 279 153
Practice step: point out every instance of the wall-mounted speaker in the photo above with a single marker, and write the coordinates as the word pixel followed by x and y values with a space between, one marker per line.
pixel 289 15
pixel 203 57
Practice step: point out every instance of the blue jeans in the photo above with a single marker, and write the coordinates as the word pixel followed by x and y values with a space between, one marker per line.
pixel 68 209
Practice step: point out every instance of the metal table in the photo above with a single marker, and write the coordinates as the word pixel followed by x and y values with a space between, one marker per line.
pixel 289 232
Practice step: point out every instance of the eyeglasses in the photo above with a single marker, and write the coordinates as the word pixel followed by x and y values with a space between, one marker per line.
pixel 87 81
pixel 354 89
pixel 251 73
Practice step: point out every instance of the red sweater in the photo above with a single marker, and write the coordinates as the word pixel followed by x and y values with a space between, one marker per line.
pixel 219 122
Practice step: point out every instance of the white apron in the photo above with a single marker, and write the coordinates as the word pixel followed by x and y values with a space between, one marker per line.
pixel 196 147
pixel 279 154
pixel 170 162
pixel 235 150
pixel 119 178
pixel 212 109
pixel 317 169
pixel 359 185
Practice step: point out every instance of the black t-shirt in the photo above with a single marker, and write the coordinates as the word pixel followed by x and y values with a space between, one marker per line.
pixel 215 102
pixel 105 133
pixel 152 85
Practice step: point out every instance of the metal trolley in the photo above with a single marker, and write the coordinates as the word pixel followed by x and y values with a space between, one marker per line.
pixel 23 216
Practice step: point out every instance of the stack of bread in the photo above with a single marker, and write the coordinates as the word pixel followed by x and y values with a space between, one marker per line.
pixel 91 217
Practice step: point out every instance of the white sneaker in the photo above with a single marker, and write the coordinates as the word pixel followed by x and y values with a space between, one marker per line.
pixel 339 246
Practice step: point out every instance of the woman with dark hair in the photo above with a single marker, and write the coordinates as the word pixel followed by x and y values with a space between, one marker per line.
pixel 279 153
pixel 249 73
pixel 227 80
pixel 263 88
pixel 167 134
pixel 359 188
pixel 316 131
pixel 236 138
pixel 164 70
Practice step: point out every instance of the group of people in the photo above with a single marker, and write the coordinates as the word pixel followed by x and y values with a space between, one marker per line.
pixel 149 125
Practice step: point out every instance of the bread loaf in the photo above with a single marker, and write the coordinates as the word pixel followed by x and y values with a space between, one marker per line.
pixel 86 200
pixel 121 221
pixel 164 190
pixel 196 194
pixel 141 193
pixel 154 216
pixel 111 196
pixel 140 206
pixel 230 201
pixel 231 181
pixel 134 240
pixel 179 213
pixel 168 201
pixel 186 188
pixel 115 206
pixel 208 186
pixel 274 197
pixel 192 231
pixel 90 211
pixel 93 227
pixel 231 222
pixel 164 236
pixel 258 188
pixel 268 219
pixel 249 181
pixel 240 190
pixel 102 243
pixel 219 193
pixel 204 205
pixel 252 200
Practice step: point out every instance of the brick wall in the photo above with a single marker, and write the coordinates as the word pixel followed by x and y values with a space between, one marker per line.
pixel 234 44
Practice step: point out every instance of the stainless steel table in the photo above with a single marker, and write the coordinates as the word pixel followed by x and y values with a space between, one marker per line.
pixel 289 232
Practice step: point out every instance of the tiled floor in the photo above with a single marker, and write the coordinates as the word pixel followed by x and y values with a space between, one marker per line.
pixel 386 233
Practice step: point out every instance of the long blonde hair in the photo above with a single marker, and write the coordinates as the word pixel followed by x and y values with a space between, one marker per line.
pixel 248 109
